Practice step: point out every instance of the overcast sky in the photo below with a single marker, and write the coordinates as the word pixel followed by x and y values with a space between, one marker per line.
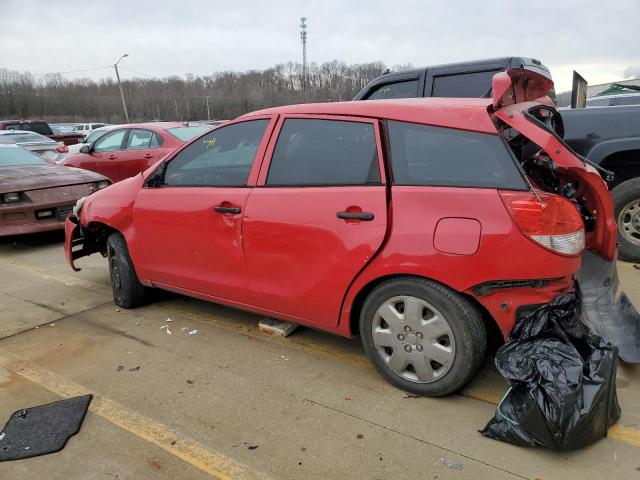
pixel 599 39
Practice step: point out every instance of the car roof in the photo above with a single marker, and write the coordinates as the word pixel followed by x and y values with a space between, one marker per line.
pixel 152 125
pixel 462 113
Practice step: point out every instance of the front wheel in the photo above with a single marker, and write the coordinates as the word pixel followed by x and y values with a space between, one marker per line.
pixel 626 204
pixel 128 292
pixel 422 336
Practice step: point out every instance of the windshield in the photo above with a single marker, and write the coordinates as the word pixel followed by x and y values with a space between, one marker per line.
pixel 93 136
pixel 18 156
pixel 187 133
pixel 22 137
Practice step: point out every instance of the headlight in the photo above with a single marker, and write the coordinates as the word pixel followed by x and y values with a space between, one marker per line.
pixel 78 206
pixel 11 197
pixel 95 186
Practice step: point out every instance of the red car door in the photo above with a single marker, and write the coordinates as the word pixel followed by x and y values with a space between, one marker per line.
pixel 189 228
pixel 317 216
pixel 143 148
pixel 102 157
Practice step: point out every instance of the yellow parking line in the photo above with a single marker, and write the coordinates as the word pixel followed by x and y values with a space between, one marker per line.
pixel 178 445
pixel 618 432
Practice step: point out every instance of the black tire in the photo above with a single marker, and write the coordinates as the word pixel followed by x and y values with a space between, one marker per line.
pixel 128 292
pixel 627 195
pixel 463 319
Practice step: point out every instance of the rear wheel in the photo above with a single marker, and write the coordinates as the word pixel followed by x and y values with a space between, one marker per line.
pixel 626 203
pixel 128 292
pixel 422 336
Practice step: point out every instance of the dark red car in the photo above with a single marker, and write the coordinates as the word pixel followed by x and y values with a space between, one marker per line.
pixel 130 149
pixel 36 196
pixel 411 222
pixel 43 128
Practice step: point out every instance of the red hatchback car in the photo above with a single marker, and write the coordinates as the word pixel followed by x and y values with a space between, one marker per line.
pixel 130 149
pixel 411 222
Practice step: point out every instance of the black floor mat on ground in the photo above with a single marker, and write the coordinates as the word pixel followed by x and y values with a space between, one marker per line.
pixel 43 429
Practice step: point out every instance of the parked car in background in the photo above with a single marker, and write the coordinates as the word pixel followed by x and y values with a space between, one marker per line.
pixel 287 212
pixel 92 137
pixel 614 100
pixel 609 137
pixel 47 149
pixel 128 150
pixel 36 196
pixel 85 129
pixel 42 128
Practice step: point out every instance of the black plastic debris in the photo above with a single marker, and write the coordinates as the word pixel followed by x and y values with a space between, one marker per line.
pixel 562 378
pixel 43 429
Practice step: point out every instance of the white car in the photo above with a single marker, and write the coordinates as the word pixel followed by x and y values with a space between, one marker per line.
pixel 86 128
pixel 49 150
pixel 92 137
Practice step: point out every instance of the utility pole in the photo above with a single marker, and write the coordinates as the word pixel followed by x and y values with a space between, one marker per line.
pixel 303 39
pixel 208 114
pixel 124 104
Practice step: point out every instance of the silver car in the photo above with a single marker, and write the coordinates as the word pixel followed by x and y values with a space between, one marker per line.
pixel 49 150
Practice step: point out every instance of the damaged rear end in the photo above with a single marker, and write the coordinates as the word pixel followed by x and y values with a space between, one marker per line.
pixel 533 129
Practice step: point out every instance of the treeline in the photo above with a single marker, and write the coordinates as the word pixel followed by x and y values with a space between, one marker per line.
pixel 54 98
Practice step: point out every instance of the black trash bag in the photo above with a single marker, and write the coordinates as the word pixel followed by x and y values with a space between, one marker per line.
pixel 563 381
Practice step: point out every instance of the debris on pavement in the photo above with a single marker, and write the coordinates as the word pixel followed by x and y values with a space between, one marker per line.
pixel 359 436
pixel 166 328
pixel 193 332
pixel 451 463
pixel 410 395
pixel 134 369
pixel 120 368
pixel 168 319
pixel 277 328
pixel 43 429
pixel 252 446
pixel 562 378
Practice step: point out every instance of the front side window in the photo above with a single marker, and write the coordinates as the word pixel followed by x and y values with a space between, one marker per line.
pixel 141 140
pixel 407 89
pixel 110 142
pixel 93 136
pixel 427 155
pixel 324 152
pixel 223 157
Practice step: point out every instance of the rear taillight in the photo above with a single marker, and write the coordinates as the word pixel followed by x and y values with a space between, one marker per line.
pixel 63 149
pixel 551 221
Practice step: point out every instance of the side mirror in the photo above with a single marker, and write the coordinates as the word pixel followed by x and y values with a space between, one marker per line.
pixel 85 149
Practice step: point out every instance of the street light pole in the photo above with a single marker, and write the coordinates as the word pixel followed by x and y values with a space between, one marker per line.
pixel 124 104
pixel 208 114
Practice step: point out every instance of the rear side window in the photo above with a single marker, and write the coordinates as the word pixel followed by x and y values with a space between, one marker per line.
pixel 141 140
pixel 324 152
pixel 427 155
pixel 469 85
pixel 407 89
pixel 223 157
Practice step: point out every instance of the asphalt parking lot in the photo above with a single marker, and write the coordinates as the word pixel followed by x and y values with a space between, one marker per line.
pixel 217 398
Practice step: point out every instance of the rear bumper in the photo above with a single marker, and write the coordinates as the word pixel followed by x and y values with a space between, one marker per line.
pixel 506 304
pixel 606 310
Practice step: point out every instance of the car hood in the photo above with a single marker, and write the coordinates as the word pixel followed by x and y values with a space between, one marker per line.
pixel 30 177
